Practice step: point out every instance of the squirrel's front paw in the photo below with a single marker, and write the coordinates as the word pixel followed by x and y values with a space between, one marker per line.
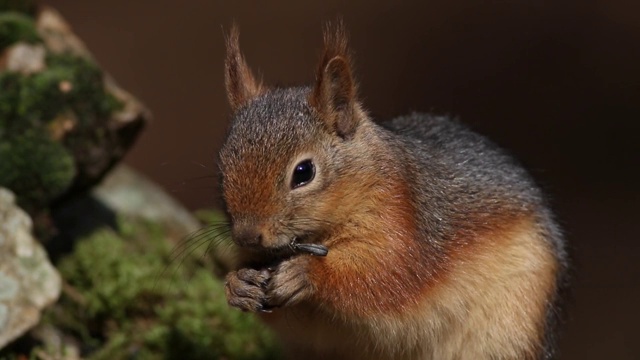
pixel 245 289
pixel 289 283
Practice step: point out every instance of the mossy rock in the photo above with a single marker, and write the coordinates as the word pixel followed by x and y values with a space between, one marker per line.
pixel 69 83
pixel 34 165
pixel 59 91
pixel 130 296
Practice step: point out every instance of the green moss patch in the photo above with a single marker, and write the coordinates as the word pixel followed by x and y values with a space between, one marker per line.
pixel 127 297
pixel 35 166
pixel 68 84
pixel 15 27
pixel 32 164
pixel 10 84
pixel 86 97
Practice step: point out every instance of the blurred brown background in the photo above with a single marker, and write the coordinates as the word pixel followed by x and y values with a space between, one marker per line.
pixel 557 83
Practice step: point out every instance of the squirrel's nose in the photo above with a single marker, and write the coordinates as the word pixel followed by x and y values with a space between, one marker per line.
pixel 247 236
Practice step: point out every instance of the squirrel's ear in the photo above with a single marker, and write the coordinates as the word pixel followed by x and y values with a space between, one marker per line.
pixel 242 86
pixel 334 94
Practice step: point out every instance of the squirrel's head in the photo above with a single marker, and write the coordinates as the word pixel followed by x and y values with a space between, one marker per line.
pixel 288 149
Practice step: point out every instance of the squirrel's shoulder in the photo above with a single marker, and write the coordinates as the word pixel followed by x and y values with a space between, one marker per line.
pixel 448 157
pixel 420 125
pixel 439 139
pixel 437 132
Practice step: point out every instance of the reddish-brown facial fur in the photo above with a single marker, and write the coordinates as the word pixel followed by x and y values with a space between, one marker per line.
pixel 381 268
pixel 439 245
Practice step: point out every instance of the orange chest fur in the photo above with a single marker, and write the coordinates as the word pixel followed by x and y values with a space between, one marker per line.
pixel 373 269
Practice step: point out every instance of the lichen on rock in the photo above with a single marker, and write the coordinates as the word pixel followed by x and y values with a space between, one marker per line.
pixel 24 58
pixel 28 281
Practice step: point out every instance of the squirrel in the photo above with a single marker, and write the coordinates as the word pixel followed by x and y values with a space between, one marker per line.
pixel 414 238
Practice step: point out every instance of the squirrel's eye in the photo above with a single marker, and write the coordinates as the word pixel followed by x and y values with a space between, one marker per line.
pixel 303 174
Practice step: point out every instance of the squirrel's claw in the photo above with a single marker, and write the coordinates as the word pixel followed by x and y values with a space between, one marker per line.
pixel 262 290
pixel 245 289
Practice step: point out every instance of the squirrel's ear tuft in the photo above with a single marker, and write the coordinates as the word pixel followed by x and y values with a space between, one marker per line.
pixel 241 85
pixel 334 94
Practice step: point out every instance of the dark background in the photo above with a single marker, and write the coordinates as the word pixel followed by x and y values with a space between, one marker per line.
pixel 557 83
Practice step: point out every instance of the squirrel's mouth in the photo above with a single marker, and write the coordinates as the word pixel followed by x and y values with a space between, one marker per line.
pixel 296 246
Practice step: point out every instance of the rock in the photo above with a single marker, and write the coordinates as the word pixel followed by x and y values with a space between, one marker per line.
pixel 28 281
pixel 129 193
pixel 57 34
pixel 118 133
pixel 23 58
pixel 126 192
pixel 123 193
pixel 56 103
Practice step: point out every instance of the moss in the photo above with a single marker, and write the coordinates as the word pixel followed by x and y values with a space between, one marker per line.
pixel 35 167
pixel 23 6
pixel 69 83
pixel 15 27
pixel 87 97
pixel 33 100
pixel 40 94
pixel 133 301
pixel 10 84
